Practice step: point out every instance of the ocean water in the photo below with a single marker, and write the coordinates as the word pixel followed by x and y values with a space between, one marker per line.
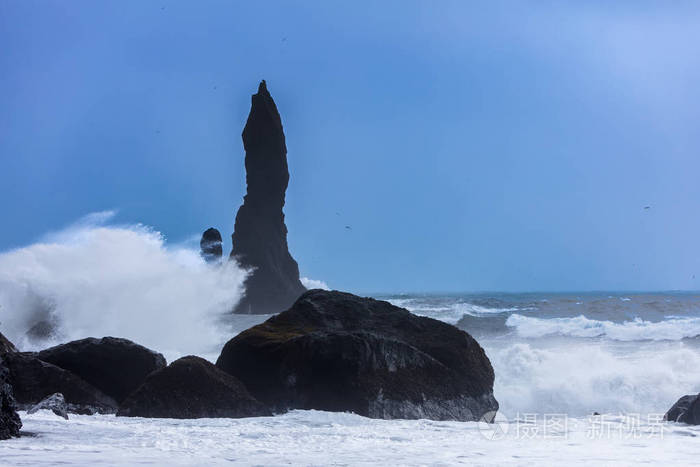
pixel 614 353
pixel 323 438
pixel 558 359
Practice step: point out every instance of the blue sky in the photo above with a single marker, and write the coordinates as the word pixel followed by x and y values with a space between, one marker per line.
pixel 506 146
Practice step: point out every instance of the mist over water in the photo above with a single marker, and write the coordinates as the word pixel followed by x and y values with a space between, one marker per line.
pixel 93 280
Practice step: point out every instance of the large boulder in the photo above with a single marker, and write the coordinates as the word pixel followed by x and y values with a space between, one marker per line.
pixel 260 235
pixel 211 245
pixel 33 380
pixel 338 352
pixel 114 366
pixel 191 387
pixel 685 410
pixel 10 422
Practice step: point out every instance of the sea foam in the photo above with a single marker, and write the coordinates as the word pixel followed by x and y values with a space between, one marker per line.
pixel 92 279
pixel 578 379
pixel 671 328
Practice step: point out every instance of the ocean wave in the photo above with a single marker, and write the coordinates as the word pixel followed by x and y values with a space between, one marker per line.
pixel 579 379
pixel 450 313
pixel 313 283
pixel 672 328
pixel 92 280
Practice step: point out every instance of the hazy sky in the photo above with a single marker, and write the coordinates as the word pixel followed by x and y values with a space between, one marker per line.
pixel 501 146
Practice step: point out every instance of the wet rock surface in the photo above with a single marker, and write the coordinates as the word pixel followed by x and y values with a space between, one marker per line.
pixel 115 366
pixel 33 380
pixel 191 387
pixel 339 352
pixel 55 403
pixel 10 423
pixel 6 346
pixel 685 410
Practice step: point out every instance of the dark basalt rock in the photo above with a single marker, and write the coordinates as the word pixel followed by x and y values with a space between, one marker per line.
pixel 33 380
pixel 6 346
pixel 55 403
pixel 114 366
pixel 260 235
pixel 211 245
pixel 686 410
pixel 10 422
pixel 338 352
pixel 191 387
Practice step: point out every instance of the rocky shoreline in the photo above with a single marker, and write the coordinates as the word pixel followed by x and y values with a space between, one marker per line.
pixel 330 351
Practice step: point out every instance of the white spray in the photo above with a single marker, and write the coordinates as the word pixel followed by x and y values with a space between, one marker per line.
pixel 97 280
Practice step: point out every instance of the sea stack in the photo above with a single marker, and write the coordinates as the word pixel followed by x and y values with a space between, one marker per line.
pixel 260 235
pixel 211 245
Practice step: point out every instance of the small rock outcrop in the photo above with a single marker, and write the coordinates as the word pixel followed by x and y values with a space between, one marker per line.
pixel 10 422
pixel 260 235
pixel 339 352
pixel 115 366
pixel 33 380
pixel 685 410
pixel 56 403
pixel 211 245
pixel 6 346
pixel 191 387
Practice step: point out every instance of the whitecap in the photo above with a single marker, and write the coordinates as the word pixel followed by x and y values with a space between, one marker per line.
pixel 580 326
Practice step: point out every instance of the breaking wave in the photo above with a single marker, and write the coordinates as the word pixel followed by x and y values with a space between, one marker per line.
pixel 448 312
pixel 672 328
pixel 314 284
pixel 549 358
pixel 91 279
pixel 580 379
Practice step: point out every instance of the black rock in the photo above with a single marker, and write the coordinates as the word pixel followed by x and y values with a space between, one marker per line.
pixel 338 352
pixel 6 346
pixel 55 403
pixel 114 366
pixel 10 422
pixel 686 410
pixel 260 235
pixel 211 245
pixel 33 380
pixel 191 387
